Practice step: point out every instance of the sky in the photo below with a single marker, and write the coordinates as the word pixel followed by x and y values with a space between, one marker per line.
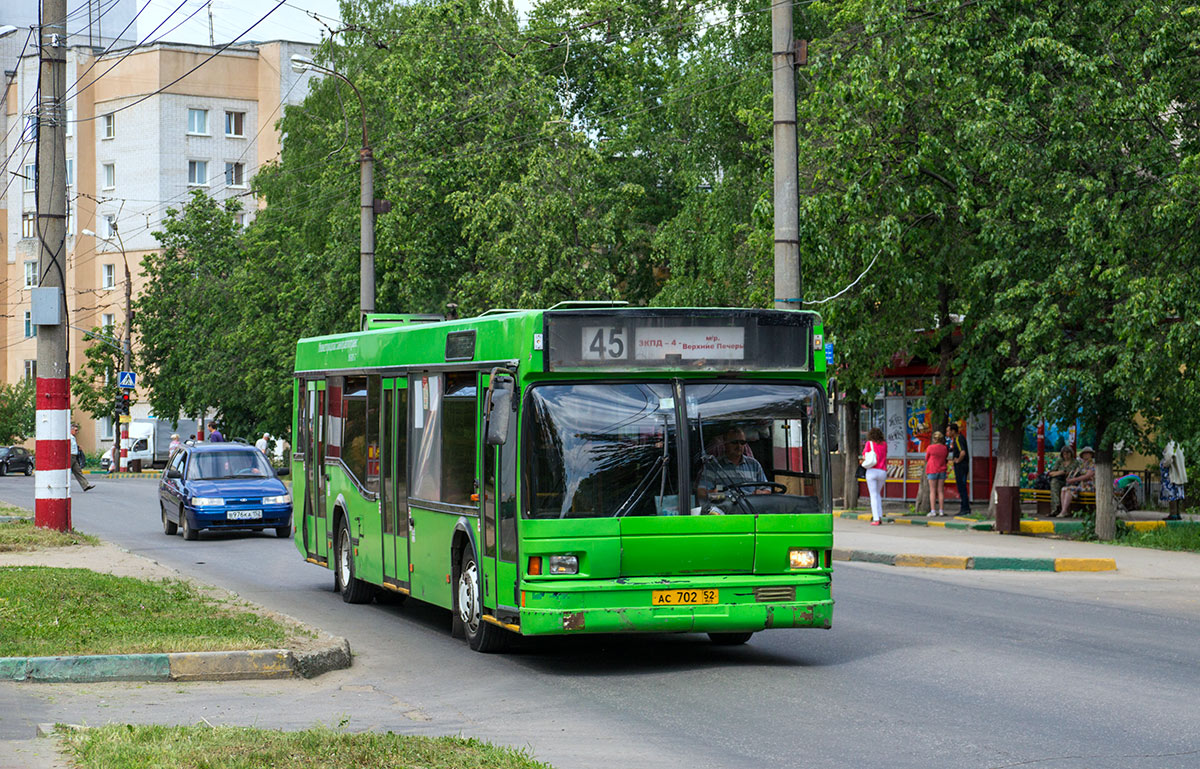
pixel 231 18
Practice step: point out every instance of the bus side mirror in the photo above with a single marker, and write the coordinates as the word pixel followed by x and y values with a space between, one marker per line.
pixel 499 408
pixel 831 436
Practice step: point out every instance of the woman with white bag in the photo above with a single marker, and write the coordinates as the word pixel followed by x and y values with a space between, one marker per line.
pixel 874 459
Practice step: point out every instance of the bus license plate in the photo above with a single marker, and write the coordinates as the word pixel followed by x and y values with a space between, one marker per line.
pixel 683 597
pixel 243 515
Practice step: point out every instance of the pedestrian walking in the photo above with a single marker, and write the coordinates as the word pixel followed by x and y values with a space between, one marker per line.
pixel 214 435
pixel 174 444
pixel 1064 468
pixel 935 470
pixel 960 460
pixel 77 460
pixel 874 458
pixel 1174 476
pixel 263 443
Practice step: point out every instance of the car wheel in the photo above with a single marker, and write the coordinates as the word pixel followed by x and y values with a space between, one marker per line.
pixel 169 526
pixel 353 589
pixel 3 468
pixel 468 609
pixel 283 532
pixel 185 528
pixel 28 469
pixel 729 639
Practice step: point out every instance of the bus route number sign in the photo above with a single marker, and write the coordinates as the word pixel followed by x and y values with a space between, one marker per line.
pixel 605 343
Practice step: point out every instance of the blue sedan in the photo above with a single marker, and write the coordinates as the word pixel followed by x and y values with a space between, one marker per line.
pixel 222 486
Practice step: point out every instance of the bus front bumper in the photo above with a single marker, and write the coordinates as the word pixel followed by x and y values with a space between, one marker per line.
pixel 745 603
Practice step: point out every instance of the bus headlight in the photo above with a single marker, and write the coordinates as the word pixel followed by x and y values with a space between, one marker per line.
pixel 207 501
pixel 564 564
pixel 800 558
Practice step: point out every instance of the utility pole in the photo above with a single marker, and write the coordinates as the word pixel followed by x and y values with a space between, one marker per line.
pixel 52 506
pixel 787 185
pixel 366 196
pixel 210 33
pixel 127 363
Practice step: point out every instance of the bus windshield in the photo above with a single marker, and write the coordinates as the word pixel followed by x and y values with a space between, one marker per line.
pixel 613 450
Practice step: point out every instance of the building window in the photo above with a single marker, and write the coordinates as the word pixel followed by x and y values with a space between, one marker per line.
pixel 31 370
pixel 109 278
pixel 29 131
pixel 30 329
pixel 70 122
pixel 108 126
pixel 110 175
pixel 70 172
pixel 234 124
pixel 242 220
pixel 198 173
pixel 70 219
pixel 106 428
pixel 235 175
pixel 30 274
pixel 198 121
pixel 30 177
pixel 107 321
pixel 108 226
pixel 29 225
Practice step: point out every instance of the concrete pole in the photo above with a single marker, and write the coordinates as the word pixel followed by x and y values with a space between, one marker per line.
pixel 366 225
pixel 787 199
pixel 52 493
pixel 127 363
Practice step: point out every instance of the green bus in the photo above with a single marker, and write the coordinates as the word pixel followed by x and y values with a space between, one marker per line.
pixel 590 468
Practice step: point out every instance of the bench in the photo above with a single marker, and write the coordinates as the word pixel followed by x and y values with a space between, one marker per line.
pixel 1045 504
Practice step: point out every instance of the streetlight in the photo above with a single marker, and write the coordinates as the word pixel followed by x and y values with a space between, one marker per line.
pixel 127 352
pixel 366 197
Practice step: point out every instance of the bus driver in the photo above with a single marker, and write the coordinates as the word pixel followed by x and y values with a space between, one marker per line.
pixel 733 467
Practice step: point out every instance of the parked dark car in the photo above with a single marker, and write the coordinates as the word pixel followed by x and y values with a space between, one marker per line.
pixel 16 459
pixel 222 486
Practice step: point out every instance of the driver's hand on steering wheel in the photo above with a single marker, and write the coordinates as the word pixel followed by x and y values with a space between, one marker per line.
pixel 761 490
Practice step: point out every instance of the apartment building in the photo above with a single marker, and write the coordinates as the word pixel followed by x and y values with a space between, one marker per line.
pixel 143 131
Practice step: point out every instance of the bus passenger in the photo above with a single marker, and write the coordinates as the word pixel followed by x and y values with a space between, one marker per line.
pixel 734 467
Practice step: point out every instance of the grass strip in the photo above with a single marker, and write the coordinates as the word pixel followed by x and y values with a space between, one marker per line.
pixel 1178 537
pixel 46 611
pixel 24 535
pixel 193 747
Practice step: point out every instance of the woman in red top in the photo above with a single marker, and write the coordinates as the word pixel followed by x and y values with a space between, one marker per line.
pixel 877 475
pixel 935 471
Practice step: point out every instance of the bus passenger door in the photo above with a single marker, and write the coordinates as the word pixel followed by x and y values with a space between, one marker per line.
pixel 498 513
pixel 314 473
pixel 395 483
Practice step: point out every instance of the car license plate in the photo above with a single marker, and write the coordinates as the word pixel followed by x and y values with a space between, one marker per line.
pixel 243 515
pixel 683 597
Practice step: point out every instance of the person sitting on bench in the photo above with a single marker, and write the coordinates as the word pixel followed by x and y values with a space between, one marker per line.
pixel 1062 469
pixel 1084 479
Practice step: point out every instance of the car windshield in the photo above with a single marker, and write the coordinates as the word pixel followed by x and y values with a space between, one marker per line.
pixel 211 465
pixel 612 450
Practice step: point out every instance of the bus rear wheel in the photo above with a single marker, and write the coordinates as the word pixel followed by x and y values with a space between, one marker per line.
pixel 353 589
pixel 729 639
pixel 468 609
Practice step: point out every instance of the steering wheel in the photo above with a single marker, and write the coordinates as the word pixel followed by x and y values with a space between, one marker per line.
pixel 248 471
pixel 776 488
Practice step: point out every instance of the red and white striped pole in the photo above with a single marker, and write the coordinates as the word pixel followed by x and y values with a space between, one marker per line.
pixel 124 465
pixel 52 502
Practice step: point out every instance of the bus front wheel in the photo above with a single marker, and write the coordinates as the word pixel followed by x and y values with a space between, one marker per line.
pixel 729 639
pixel 353 589
pixel 468 609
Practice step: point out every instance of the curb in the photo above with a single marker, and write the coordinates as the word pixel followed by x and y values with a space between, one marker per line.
pixel 256 664
pixel 144 475
pixel 989 563
pixel 949 523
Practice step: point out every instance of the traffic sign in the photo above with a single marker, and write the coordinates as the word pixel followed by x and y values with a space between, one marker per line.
pixel 829 353
pixel 123 418
pixel 127 380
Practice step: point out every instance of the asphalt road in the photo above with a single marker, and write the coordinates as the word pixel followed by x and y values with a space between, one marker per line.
pixel 921 669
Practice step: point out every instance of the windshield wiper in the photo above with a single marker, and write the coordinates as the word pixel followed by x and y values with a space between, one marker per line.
pixel 643 486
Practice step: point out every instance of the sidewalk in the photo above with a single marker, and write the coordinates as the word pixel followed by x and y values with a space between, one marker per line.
pixel 960 543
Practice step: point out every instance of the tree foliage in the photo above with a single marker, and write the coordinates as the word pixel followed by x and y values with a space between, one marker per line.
pixel 17 411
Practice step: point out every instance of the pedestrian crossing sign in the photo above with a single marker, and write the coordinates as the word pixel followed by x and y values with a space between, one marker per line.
pixel 127 380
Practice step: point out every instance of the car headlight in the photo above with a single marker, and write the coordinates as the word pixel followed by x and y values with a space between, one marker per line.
pixel 207 501
pixel 564 564
pixel 280 500
pixel 801 558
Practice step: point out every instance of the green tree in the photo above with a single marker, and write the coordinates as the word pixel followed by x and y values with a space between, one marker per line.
pixel 94 386
pixel 17 411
